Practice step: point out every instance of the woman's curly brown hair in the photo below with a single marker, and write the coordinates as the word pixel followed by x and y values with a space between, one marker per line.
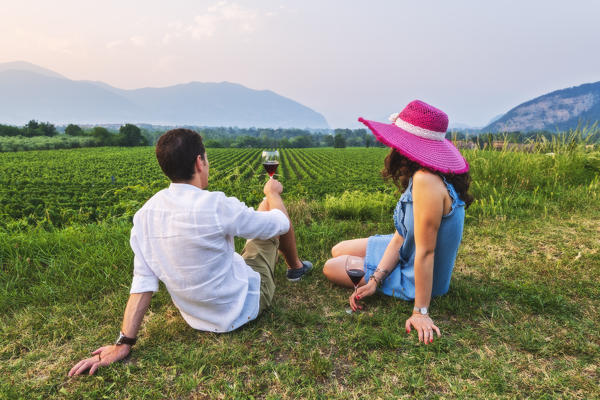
pixel 400 169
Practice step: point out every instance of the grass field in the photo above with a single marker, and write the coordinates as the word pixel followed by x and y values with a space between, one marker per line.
pixel 521 319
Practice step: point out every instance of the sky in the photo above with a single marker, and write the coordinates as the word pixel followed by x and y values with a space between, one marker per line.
pixel 343 58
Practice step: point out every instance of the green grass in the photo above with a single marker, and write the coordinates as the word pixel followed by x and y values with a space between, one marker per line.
pixel 520 320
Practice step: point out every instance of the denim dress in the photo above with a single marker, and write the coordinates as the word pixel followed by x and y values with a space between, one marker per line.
pixel 401 282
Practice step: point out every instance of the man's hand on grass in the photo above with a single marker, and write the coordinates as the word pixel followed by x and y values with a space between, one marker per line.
pixel 102 357
pixel 424 326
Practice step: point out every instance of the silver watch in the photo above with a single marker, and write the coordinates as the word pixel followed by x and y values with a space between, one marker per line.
pixel 421 310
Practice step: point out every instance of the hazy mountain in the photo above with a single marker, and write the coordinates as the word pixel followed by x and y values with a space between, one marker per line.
pixel 459 126
pixel 28 95
pixel 25 66
pixel 496 118
pixel 561 109
pixel 31 92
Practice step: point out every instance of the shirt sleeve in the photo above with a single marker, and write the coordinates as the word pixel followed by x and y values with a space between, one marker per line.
pixel 237 219
pixel 144 280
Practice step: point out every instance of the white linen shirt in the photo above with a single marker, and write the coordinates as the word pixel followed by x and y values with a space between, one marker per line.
pixel 183 236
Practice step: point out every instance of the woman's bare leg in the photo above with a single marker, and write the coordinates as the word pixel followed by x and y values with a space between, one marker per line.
pixel 335 270
pixel 287 241
pixel 353 247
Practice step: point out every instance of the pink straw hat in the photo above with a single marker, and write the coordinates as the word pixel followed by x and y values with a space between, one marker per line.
pixel 418 132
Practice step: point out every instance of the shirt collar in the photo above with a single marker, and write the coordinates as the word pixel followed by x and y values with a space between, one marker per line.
pixel 182 187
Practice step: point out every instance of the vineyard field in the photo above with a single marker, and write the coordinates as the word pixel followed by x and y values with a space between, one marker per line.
pixel 60 187
pixel 87 185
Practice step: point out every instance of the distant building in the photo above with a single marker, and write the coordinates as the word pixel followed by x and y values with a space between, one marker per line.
pixel 501 145
pixel 463 144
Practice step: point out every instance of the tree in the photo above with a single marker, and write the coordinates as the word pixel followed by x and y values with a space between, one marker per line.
pixel 47 129
pixel 102 135
pixel 302 141
pixel 131 135
pixel 368 140
pixel 284 143
pixel 328 140
pixel 74 130
pixel 246 141
pixel 339 141
pixel 355 141
pixel 7 130
pixel 31 129
pixel 213 144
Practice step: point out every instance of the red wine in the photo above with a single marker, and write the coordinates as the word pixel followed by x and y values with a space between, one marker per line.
pixel 271 167
pixel 355 275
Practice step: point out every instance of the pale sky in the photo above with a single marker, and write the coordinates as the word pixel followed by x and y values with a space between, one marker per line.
pixel 473 59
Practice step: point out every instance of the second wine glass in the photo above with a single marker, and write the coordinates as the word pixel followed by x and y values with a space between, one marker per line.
pixel 355 270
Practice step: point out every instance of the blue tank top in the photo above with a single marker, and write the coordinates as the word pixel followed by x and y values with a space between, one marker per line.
pixel 401 282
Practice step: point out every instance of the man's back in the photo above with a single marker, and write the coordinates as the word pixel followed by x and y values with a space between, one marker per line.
pixel 183 236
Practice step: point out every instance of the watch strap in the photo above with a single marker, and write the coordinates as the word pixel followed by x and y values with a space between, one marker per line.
pixel 125 340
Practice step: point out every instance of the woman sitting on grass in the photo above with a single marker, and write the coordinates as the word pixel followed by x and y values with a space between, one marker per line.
pixel 415 262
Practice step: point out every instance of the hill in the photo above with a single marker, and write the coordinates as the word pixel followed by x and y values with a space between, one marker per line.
pixel 559 110
pixel 25 66
pixel 31 92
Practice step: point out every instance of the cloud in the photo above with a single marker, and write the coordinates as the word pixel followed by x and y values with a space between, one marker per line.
pixel 138 41
pixel 220 16
pixel 60 45
pixel 204 26
pixel 215 7
pixel 113 44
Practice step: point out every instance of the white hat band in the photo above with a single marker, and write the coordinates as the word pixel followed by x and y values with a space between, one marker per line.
pixel 418 131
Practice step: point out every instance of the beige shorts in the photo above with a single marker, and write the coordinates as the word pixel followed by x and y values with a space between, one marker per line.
pixel 261 256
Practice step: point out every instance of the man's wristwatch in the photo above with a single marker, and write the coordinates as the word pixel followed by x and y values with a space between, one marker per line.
pixel 125 340
pixel 420 310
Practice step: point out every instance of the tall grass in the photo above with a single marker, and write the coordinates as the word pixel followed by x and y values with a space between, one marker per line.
pixel 534 179
pixel 516 184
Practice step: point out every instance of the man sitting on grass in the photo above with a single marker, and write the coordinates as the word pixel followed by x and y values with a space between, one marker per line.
pixel 183 236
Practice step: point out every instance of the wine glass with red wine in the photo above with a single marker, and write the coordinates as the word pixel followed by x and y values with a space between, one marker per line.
pixel 270 160
pixel 355 271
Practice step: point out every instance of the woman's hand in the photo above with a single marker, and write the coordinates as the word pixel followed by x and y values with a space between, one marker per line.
pixel 100 358
pixel 363 291
pixel 424 326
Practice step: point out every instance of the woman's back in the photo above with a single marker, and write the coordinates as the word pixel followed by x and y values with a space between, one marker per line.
pixel 448 240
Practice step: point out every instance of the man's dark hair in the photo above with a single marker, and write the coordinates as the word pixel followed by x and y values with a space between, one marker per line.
pixel 177 151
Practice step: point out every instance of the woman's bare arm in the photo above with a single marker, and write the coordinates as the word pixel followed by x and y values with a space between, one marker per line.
pixel 388 263
pixel 428 209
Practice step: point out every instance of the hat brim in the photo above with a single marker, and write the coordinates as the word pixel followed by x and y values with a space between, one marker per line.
pixel 439 155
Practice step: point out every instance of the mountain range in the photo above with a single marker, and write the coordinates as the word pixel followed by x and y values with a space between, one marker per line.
pixel 30 92
pixel 556 111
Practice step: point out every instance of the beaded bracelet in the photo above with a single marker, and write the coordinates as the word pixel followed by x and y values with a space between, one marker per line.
pixel 384 273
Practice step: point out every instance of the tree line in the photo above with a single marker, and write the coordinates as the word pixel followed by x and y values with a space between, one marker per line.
pixel 127 135
pixel 224 137
pixel 285 138
pixel 233 137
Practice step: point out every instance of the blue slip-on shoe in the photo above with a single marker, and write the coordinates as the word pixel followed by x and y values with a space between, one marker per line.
pixel 294 275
